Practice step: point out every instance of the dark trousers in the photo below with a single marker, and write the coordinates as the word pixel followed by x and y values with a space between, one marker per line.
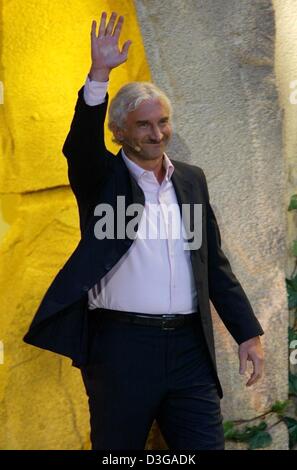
pixel 140 373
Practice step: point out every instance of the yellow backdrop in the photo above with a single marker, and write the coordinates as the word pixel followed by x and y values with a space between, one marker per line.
pixel 45 56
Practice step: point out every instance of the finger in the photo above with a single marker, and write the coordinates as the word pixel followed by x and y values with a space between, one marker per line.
pixel 253 379
pixel 242 362
pixel 93 31
pixel 125 50
pixel 257 371
pixel 101 31
pixel 118 27
pixel 110 25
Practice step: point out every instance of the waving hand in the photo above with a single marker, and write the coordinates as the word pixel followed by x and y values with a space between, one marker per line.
pixel 105 51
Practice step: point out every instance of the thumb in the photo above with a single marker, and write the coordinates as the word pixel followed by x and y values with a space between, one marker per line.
pixel 125 49
pixel 242 362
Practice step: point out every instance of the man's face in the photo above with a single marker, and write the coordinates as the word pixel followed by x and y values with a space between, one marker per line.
pixel 148 129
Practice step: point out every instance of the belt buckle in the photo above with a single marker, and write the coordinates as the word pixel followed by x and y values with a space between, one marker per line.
pixel 165 321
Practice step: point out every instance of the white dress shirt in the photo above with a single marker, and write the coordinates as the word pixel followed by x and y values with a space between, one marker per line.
pixel 155 275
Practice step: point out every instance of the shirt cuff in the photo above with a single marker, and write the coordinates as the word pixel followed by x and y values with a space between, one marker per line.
pixel 94 92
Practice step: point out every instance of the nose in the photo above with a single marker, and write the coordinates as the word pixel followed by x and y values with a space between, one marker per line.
pixel 156 134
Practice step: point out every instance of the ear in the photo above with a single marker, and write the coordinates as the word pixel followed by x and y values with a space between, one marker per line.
pixel 117 132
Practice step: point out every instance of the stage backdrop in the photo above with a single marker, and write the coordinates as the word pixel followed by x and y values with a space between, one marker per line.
pixel 216 62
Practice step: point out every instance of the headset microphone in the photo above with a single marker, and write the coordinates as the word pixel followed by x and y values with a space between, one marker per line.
pixel 136 148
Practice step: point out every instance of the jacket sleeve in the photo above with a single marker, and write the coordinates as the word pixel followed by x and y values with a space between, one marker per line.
pixel 87 157
pixel 225 291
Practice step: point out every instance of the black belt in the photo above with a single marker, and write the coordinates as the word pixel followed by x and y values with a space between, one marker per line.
pixel 165 322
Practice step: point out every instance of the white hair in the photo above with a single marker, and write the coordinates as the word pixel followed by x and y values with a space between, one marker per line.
pixel 129 97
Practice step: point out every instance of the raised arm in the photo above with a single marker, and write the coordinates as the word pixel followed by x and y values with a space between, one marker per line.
pixel 84 147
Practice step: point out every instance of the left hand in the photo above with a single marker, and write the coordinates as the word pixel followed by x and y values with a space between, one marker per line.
pixel 251 350
pixel 105 50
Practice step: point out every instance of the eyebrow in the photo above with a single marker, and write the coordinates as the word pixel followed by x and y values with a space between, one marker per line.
pixel 142 122
pixel 165 118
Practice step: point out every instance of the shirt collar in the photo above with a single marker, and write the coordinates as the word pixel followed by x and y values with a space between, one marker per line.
pixel 137 171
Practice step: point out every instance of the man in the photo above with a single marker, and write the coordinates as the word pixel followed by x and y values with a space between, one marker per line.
pixel 132 311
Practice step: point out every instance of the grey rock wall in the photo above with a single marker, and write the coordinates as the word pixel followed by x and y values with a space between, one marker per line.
pixel 215 60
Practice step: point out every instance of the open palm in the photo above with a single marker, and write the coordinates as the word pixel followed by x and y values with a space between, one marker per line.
pixel 105 50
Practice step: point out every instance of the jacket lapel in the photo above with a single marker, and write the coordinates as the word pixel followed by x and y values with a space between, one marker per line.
pixel 183 187
pixel 188 193
pixel 124 178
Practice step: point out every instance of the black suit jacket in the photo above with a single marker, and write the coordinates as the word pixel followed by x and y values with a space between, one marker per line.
pixel 61 323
